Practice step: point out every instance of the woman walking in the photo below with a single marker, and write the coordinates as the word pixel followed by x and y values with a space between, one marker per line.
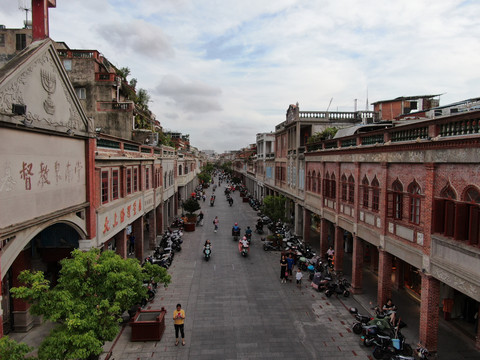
pixel 283 269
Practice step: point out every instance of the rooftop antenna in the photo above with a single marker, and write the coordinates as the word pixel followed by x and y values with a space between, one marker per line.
pixel 366 102
pixel 330 103
pixel 23 5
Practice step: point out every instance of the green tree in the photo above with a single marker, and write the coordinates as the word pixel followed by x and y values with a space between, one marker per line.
pixel 123 73
pixel 143 98
pixel 191 205
pixel 11 350
pixel 204 177
pixel 274 207
pixel 94 289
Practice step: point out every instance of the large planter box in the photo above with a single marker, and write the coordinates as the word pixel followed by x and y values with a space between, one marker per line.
pixel 189 226
pixel 148 325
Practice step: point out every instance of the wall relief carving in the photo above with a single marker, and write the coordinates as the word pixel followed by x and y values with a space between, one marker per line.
pixel 44 71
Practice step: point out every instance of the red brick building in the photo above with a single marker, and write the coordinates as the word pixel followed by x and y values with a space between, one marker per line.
pixel 407 199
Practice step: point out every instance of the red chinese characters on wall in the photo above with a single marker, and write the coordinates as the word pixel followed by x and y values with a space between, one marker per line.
pixel 26 174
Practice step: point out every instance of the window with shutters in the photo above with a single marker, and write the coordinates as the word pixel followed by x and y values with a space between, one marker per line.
pixel 472 197
pixel 415 201
pixel 344 185
pixel 351 189
pixel 326 185
pixel 314 182
pixel 135 179
pixel 375 195
pixel 365 192
pixel 395 201
pixel 104 187
pixel 115 184
pixel 147 178
pixel 333 187
pixel 129 181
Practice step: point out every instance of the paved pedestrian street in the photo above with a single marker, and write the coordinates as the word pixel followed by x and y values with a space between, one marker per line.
pixel 236 307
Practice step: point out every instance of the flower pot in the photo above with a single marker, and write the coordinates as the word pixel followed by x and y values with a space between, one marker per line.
pixel 189 226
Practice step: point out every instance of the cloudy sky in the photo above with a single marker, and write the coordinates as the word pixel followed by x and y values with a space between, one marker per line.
pixel 225 70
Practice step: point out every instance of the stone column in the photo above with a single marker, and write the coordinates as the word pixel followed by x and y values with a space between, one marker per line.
pixel 477 338
pixel 384 276
pixel 151 230
pixel 159 219
pixel 323 237
pixel 121 243
pixel 357 265
pixel 399 275
pixel 22 319
pixel 137 230
pixel 429 312
pixel 307 216
pixel 339 248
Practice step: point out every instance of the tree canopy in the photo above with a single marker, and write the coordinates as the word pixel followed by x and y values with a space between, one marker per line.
pixel 94 289
pixel 274 207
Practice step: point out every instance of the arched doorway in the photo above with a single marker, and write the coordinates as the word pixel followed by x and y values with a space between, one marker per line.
pixel 42 253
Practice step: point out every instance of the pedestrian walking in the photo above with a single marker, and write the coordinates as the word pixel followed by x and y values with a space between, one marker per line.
pixel 299 276
pixel 179 321
pixel 131 244
pixel 215 223
pixel 283 269
pixel 290 263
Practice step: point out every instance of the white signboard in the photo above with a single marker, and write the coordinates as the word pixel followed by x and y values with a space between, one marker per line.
pixel 39 174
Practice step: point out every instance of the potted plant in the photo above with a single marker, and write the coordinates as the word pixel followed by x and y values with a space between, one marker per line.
pixel 190 206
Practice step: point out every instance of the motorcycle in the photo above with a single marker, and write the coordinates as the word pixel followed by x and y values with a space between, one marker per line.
pixel 320 281
pixel 259 228
pixel 243 248
pixel 360 320
pixel 339 287
pixel 207 252
pixel 236 234
pixel 270 245
pixel 230 201
pixel 391 345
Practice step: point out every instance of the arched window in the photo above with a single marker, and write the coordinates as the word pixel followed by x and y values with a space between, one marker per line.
pixel 365 190
pixel 472 195
pixel 314 181
pixel 179 169
pixel 326 185
pixel 375 194
pixel 343 181
pixel 415 201
pixel 448 193
pixel 333 187
pixel 309 181
pixel 351 189
pixel 319 182
pixel 395 201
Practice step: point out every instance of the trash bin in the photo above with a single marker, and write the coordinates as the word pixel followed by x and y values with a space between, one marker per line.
pixel 148 325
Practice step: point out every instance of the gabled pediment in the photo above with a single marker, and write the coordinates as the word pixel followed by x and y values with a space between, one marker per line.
pixel 37 79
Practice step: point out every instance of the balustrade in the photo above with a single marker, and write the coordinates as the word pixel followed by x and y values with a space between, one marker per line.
pixel 461 127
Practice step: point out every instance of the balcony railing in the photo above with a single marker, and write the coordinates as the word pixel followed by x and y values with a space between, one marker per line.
pixel 410 134
pixel 105 77
pixel 463 124
pixel 114 106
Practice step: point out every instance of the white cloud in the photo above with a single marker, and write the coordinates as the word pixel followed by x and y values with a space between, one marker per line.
pixel 224 71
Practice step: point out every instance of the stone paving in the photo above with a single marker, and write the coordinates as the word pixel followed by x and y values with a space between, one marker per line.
pixel 236 307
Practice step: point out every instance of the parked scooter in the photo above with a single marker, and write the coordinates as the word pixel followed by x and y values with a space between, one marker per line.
pixel 270 245
pixel 391 345
pixel 340 287
pixel 360 320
